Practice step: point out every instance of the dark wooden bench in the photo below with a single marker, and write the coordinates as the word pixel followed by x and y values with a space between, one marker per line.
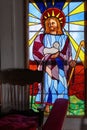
pixel 21 78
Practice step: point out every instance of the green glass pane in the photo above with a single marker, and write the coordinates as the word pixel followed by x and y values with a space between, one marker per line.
pixel 73 27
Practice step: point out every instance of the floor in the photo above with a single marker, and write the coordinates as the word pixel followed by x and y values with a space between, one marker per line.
pixel 74 123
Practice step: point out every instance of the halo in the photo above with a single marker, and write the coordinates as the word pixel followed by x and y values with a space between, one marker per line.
pixel 53 12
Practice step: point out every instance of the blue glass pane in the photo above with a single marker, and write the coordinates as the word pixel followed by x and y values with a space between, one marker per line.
pixel 55 85
pixel 74 5
pixel 34 11
pixel 73 27
pixel 77 17
pixel 78 37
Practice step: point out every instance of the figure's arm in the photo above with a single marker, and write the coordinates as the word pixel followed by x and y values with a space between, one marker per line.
pixel 55 55
pixel 38 48
pixel 53 51
pixel 65 54
pixel 38 52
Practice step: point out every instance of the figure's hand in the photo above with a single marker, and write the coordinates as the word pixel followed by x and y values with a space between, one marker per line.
pixel 72 63
pixel 55 55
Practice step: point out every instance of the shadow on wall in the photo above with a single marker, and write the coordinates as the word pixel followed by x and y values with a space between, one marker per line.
pixel 75 124
pixel 83 124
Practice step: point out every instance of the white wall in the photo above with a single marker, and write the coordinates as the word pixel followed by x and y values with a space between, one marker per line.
pixel 11 34
pixel 73 123
pixel 12 46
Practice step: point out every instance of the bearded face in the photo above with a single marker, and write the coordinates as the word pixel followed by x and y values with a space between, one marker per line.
pixel 52 26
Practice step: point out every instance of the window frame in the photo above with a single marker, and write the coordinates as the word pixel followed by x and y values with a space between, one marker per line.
pixel 26 45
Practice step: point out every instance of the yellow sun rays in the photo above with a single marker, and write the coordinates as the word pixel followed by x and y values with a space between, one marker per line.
pixel 81 23
pixel 33 38
pixel 34 4
pixel 79 9
pixel 66 3
pixel 53 2
pixel 33 16
pixel 45 3
pixel 33 23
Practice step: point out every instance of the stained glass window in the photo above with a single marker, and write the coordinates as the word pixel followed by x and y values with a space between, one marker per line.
pixel 59 80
